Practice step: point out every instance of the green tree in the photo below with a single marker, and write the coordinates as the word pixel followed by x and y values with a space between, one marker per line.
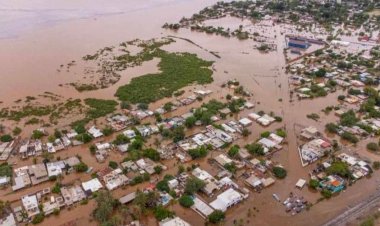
pixel 339 168
pixel 121 139
pixel 57 188
pixel 230 167
pixel 332 128
pixel 265 134
pixel 255 149
pixel 107 131
pixel 161 213
pixel 199 152
pixel 186 201
pixel 38 218
pixel 234 150
pixel 279 172
pixel 105 205
pixel 193 185
pixel 151 153
pixel 81 167
pixel 348 118
pixel 281 133
pixel 216 216
pixel 190 121
pixel 320 73
pixel 158 169
pixel 163 186
pixel 314 184
pixel 350 137
pixel 168 106
pixel 326 193
pixel 37 134
pixel 178 133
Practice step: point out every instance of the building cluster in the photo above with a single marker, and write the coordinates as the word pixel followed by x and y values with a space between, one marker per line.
pixel 35 174
pixel 333 69
pixel 46 202
pixel 335 183
pixel 315 147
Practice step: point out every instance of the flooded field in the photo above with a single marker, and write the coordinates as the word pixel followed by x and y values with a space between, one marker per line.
pixel 31 56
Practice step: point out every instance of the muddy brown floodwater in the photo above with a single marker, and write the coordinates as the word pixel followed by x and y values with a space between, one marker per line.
pixel 29 60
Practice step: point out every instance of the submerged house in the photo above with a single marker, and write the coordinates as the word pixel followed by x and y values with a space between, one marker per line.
pixel 298 44
pixel 333 183
pixel 227 199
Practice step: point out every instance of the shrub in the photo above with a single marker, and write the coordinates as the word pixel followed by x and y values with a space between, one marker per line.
pixel 38 218
pixel 107 131
pixel 341 97
pixel 16 131
pixel 373 146
pixel 81 167
pixel 350 137
pixel 56 212
pixel 57 188
pixel 158 169
pixel 85 137
pixel 376 165
pixel 92 149
pixel 331 127
pixel 121 139
pixel 265 134
pixel 37 134
pixel 246 132
pixel 326 193
pixel 6 138
pixel 370 221
pixel 112 164
pixel 281 133
pixel 161 213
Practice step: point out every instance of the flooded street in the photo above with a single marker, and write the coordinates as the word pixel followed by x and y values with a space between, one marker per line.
pixel 37 38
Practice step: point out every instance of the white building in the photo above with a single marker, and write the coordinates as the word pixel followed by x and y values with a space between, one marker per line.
pixel 227 199
pixel 174 222
pixel 95 132
pixel 30 205
pixel 92 185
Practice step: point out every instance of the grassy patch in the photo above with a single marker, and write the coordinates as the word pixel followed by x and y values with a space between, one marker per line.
pixel 99 108
pixel 178 71
pixel 5 170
